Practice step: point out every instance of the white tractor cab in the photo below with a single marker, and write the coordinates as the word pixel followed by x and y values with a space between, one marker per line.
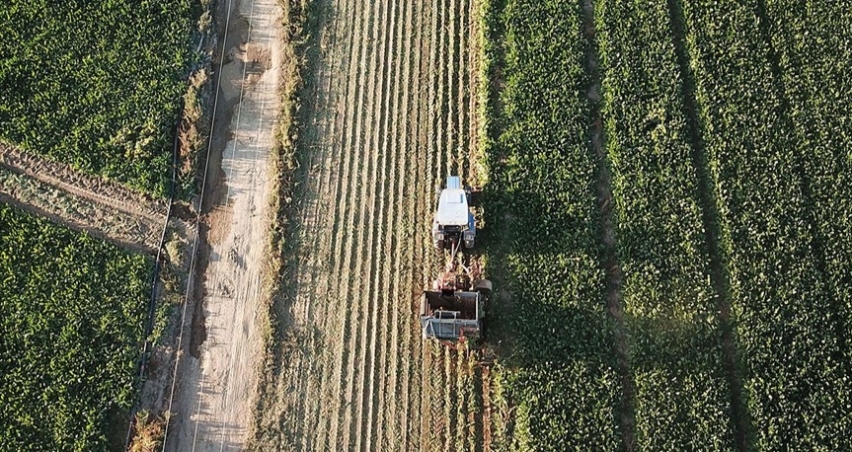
pixel 454 221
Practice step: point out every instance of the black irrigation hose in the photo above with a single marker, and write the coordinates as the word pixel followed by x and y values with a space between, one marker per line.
pixel 152 303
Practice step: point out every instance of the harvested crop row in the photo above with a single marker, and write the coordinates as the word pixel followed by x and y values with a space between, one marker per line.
pixel 541 203
pixel 73 312
pixel 682 396
pixel 786 321
pixel 349 371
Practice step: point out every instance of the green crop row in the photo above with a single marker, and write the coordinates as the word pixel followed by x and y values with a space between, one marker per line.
pixel 95 84
pixel 682 398
pixel 814 44
pixel 794 370
pixel 72 315
pixel 541 199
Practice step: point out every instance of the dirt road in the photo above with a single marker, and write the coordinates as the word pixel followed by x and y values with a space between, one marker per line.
pixel 387 119
pixel 217 378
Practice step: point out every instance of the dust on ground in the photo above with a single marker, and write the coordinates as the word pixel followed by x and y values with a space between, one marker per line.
pixel 217 377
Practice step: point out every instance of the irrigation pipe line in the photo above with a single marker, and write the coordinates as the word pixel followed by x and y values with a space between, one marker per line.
pixel 192 264
pixel 152 303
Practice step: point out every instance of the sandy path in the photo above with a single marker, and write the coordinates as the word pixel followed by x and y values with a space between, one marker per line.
pixel 217 379
pixel 388 117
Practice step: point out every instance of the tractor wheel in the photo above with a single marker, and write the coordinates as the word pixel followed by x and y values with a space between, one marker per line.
pixel 484 286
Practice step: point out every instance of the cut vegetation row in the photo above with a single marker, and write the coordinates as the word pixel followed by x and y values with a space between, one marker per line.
pixel 385 117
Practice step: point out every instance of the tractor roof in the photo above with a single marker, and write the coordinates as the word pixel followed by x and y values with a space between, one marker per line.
pixel 452 207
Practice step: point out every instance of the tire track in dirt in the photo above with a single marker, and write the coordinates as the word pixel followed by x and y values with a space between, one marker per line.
pixel 120 228
pixel 109 194
pixel 82 202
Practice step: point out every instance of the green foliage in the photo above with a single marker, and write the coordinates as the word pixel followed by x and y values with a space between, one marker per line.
pixel 682 397
pixel 95 84
pixel 72 313
pixel 542 199
pixel 792 310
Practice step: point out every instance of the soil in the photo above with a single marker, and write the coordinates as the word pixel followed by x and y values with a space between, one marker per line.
pixel 217 374
pixel 388 111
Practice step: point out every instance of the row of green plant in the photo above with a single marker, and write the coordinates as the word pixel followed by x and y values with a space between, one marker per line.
pixel 788 328
pixel 72 313
pixel 95 84
pixel 813 53
pixel 546 257
pixel 682 398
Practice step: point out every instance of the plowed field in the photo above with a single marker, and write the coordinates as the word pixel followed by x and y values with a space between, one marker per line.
pixel 389 116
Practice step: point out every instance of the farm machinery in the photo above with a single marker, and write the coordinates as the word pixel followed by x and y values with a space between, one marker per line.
pixel 454 222
pixel 454 308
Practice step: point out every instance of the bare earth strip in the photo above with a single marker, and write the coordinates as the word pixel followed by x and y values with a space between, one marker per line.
pixel 94 188
pixel 386 113
pixel 217 379
pixel 102 208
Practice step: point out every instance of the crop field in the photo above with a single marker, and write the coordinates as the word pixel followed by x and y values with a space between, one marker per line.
pixel 95 85
pixel 681 281
pixel 389 110
pixel 663 196
pixel 72 311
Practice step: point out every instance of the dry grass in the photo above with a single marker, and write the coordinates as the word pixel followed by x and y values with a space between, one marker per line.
pixel 147 433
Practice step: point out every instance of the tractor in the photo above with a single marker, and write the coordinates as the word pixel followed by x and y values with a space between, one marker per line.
pixel 455 307
pixel 454 222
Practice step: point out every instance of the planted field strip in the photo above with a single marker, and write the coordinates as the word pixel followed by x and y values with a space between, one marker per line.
pixel 789 324
pixel 678 363
pixel 351 372
pixel 812 43
pixel 542 199
pixel 73 315
pixel 101 95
